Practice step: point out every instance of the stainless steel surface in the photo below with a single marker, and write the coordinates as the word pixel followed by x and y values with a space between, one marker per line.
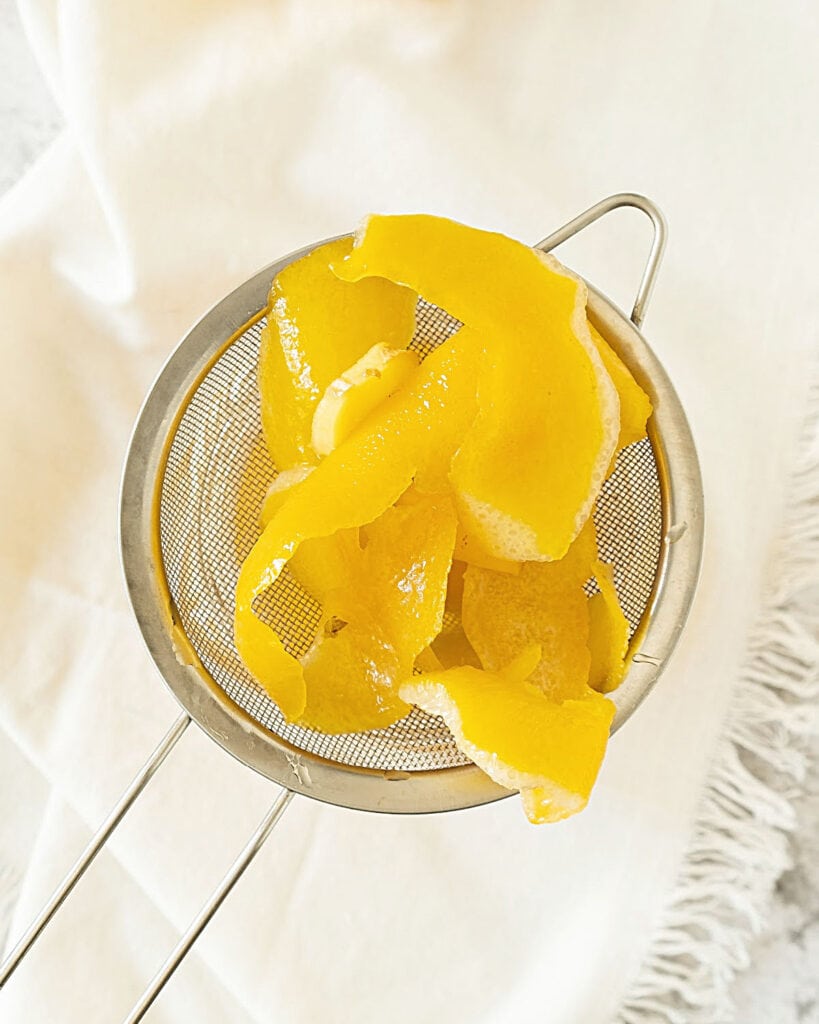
pixel 193 483
pixel 237 869
pixel 99 840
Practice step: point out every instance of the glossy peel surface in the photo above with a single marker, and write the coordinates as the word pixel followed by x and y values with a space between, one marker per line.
pixel 549 751
pixel 354 485
pixel 318 327
pixel 530 468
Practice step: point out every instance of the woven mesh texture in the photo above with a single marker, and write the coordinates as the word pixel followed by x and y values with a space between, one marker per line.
pixel 216 475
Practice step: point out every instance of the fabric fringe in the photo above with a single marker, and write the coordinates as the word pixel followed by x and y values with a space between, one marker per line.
pixel 740 847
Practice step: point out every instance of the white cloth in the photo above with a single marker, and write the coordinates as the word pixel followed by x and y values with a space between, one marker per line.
pixel 204 140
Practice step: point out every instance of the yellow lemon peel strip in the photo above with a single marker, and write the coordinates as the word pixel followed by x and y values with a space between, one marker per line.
pixel 406 565
pixel 350 398
pixel 452 650
pixel 608 633
pixel 531 466
pixel 317 327
pixel 351 676
pixel 635 406
pixel 318 565
pixel 549 751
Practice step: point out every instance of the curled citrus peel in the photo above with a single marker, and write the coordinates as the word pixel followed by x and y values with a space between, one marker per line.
pixel 635 406
pixel 549 751
pixel 350 398
pixel 527 472
pixel 608 633
pixel 318 327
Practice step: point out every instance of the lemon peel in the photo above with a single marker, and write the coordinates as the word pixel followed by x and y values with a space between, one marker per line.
pixel 608 633
pixel 549 751
pixel 523 491
pixel 635 405
pixel 317 327
pixel 351 397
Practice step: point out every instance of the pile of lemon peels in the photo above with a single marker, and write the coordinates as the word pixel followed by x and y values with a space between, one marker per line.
pixel 463 482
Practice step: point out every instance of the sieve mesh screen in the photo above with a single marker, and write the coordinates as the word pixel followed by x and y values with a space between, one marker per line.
pixel 216 475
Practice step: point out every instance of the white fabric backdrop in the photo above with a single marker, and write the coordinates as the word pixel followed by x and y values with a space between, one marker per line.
pixel 205 139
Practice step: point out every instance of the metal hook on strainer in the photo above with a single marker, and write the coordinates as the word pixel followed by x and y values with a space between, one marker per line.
pixel 192 486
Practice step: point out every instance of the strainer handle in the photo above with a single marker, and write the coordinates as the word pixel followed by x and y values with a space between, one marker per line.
pixel 655 255
pixel 63 890
pixel 197 926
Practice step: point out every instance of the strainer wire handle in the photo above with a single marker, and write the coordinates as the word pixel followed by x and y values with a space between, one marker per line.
pixel 655 256
pixel 197 926
pixel 100 838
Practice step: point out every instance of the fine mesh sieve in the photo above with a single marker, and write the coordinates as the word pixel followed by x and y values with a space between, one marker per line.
pixel 215 477
pixel 195 476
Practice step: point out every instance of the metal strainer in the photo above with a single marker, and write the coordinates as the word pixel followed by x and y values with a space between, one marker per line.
pixel 194 480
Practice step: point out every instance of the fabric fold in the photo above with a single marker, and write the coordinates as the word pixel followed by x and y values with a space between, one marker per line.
pixel 206 140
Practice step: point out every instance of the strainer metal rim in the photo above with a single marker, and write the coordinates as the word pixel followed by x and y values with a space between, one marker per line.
pixel 236 731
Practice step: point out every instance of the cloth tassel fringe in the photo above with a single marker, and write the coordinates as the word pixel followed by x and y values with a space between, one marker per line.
pixel 739 847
